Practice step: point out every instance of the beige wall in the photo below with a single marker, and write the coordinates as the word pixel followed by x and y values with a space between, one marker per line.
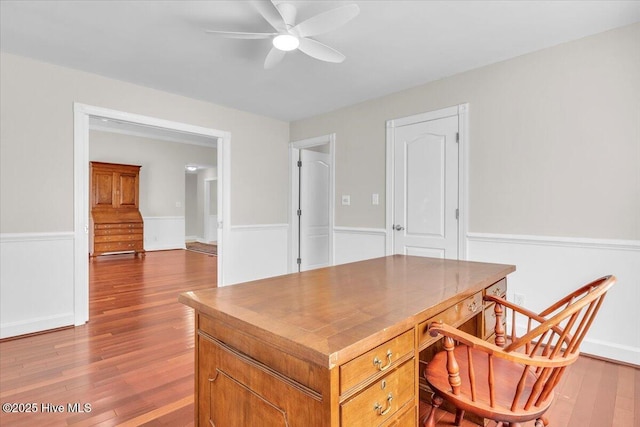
pixel 36 137
pixel 554 141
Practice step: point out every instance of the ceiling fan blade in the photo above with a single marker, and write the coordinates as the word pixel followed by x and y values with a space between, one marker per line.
pixel 241 35
pixel 271 14
pixel 273 58
pixel 326 21
pixel 320 51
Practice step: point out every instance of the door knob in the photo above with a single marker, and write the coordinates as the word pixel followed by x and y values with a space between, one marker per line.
pixel 398 227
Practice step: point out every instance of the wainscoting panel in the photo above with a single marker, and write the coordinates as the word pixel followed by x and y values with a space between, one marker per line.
pixel 36 282
pixel 164 232
pixel 548 268
pixel 255 252
pixel 356 244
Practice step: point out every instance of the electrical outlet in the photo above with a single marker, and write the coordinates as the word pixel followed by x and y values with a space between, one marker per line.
pixel 346 200
pixel 518 299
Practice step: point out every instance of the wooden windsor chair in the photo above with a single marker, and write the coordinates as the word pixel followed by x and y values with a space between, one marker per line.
pixel 512 381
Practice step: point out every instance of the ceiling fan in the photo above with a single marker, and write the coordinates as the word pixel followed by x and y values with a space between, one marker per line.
pixel 290 36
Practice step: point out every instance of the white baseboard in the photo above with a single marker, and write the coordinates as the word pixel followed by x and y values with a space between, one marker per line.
pixel 36 282
pixel 548 268
pixel 357 243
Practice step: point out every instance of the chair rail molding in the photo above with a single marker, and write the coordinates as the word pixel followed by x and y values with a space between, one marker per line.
pixel 548 266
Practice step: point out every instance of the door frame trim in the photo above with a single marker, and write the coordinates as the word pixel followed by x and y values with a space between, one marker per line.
pixel 81 126
pixel 462 111
pixel 294 147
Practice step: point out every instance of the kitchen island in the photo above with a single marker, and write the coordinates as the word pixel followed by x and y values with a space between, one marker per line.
pixel 337 346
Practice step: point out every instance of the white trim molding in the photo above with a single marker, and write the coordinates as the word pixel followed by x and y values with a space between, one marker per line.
pixel 221 140
pixel 581 242
pixel 358 243
pixel 549 267
pixel 256 252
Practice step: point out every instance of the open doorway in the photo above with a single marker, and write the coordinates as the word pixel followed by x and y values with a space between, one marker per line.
pixel 84 115
pixel 201 208
pixel 312 175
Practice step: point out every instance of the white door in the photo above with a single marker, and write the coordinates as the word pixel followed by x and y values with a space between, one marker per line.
pixel 425 207
pixel 314 209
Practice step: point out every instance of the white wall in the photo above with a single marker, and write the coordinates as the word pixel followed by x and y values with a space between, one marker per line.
pixel 554 174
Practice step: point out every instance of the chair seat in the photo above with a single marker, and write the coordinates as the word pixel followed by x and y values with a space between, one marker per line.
pixel 507 376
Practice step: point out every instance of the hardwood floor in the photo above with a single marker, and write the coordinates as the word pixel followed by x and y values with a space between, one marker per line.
pixel 593 393
pixel 133 363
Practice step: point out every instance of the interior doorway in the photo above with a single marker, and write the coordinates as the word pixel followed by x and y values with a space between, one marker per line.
pixel 427 185
pixel 312 176
pixel 83 115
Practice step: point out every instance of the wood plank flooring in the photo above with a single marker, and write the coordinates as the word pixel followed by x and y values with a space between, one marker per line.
pixel 133 363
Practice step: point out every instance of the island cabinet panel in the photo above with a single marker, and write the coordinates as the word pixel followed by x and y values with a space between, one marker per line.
pixel 340 346
pixel 236 390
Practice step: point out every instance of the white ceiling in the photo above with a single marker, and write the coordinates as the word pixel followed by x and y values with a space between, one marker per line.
pixel 390 45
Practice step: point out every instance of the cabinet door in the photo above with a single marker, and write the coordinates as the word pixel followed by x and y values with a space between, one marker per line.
pixel 128 190
pixel 103 189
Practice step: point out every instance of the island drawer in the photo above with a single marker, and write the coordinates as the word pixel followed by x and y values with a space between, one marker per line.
pixel 379 359
pixel 453 316
pixel 381 400
pixel 498 289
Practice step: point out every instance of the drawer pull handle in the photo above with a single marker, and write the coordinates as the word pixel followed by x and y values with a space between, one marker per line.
pixel 378 363
pixel 378 407
pixel 473 307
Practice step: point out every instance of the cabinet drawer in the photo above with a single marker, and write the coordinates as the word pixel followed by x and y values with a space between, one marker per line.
pixel 118 238
pixel 374 361
pixel 406 419
pixel 117 231
pixel 454 316
pixel 498 289
pixel 381 400
pixel 121 225
pixel 117 246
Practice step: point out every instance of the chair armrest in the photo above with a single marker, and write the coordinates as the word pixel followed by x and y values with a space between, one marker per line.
pixel 439 328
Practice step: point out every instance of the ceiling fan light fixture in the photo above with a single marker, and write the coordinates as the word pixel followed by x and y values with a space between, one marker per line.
pixel 286 42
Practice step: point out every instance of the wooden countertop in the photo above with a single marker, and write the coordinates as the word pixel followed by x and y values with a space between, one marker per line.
pixel 327 316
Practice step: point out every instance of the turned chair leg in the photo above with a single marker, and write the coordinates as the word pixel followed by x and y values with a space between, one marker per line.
pixel 436 401
pixel 459 417
pixel 542 422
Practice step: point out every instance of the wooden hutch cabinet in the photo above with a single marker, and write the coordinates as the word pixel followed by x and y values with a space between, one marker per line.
pixel 116 223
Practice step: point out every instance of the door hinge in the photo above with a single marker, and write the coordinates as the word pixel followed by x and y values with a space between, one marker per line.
pixel 457 213
pixel 458 137
pixel 299 163
pixel 299 261
pixel 299 212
